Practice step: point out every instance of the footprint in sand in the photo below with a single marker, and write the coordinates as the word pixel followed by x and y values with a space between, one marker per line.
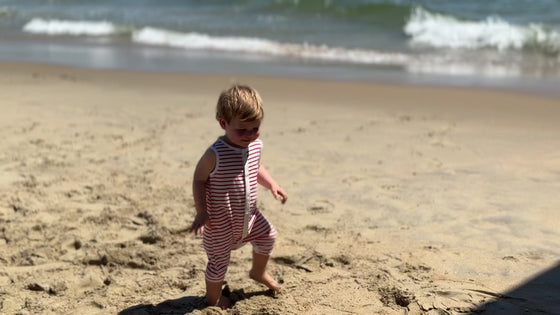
pixel 415 272
pixel 308 263
pixel 395 296
pixel 351 180
pixel 318 229
pixel 56 288
pixel 510 258
pixel 439 138
pixel 321 206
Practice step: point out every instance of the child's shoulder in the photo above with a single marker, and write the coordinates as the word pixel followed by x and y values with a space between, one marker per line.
pixel 206 164
pixel 258 142
pixel 209 154
pixel 219 141
pixel 256 145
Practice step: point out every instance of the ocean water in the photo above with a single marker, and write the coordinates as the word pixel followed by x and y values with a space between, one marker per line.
pixel 500 43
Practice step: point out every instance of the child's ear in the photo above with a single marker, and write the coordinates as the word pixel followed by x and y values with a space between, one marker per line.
pixel 223 123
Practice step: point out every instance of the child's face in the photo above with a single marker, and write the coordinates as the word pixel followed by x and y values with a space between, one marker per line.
pixel 241 133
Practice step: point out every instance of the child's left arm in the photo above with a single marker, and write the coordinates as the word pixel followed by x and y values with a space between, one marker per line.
pixel 267 181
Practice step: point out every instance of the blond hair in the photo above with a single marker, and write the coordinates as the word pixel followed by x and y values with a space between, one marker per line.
pixel 241 102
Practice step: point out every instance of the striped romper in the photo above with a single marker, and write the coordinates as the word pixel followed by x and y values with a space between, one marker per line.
pixel 231 202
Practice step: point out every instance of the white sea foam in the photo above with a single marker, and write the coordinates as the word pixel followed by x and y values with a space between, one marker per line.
pixel 443 66
pixel 64 27
pixel 442 31
pixel 443 63
pixel 154 36
pixel 429 29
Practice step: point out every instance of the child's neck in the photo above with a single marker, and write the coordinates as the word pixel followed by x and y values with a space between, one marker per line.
pixel 226 140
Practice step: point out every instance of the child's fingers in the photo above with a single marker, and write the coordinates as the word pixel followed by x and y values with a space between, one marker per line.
pixel 280 193
pixel 284 197
pixel 196 228
pixel 193 229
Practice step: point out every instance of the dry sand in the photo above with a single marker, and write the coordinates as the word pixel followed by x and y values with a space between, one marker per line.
pixel 402 199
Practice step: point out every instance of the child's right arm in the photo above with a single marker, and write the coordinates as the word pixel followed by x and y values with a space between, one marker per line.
pixel 203 169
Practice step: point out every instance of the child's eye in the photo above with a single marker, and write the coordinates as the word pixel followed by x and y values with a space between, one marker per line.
pixel 247 131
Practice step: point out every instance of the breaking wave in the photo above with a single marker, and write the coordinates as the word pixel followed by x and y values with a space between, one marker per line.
pixel 435 30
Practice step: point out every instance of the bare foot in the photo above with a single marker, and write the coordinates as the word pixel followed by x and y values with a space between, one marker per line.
pixel 223 303
pixel 265 279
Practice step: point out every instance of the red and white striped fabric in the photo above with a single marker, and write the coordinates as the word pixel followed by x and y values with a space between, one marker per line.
pixel 231 202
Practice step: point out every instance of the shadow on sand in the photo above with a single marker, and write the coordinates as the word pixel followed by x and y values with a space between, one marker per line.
pixel 188 304
pixel 539 295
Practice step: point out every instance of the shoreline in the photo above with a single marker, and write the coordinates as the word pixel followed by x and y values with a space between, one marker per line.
pixel 120 56
pixel 22 66
pixel 402 198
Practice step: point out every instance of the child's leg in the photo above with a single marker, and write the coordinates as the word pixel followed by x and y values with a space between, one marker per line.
pixel 258 272
pixel 262 238
pixel 214 295
pixel 218 261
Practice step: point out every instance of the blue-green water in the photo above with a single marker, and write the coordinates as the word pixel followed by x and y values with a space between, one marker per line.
pixel 500 43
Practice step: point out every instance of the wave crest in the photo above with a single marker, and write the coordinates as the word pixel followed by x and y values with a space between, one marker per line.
pixel 442 31
pixel 65 27
pixel 154 36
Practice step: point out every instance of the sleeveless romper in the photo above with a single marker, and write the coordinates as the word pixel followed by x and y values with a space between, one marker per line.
pixel 231 202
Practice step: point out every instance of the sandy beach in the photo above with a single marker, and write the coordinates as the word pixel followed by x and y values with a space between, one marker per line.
pixel 402 200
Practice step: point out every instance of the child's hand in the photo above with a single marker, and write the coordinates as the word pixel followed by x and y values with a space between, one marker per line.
pixel 277 191
pixel 198 225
